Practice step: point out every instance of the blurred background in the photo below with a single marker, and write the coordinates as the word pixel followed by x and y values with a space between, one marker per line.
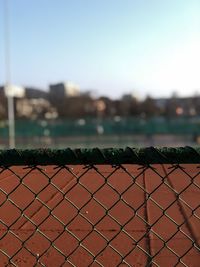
pixel 103 73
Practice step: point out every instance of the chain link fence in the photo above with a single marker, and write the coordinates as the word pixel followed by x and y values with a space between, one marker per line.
pixel 123 207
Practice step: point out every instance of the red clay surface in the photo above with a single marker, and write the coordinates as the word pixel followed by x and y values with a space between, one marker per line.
pixel 104 217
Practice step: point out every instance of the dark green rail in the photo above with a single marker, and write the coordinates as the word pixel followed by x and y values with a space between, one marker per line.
pixel 149 155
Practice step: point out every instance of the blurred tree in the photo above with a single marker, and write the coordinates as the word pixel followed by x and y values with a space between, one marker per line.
pixel 3 105
pixel 149 107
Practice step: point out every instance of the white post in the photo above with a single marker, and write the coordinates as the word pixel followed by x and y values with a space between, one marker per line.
pixel 8 89
pixel 11 122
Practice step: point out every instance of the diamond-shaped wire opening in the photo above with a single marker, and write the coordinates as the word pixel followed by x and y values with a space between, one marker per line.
pixel 35 214
pixel 136 228
pixel 10 244
pixel 64 178
pixel 109 257
pixel 52 257
pixel 163 195
pixel 134 197
pixel 178 178
pixel 166 257
pixel 191 257
pixel 80 227
pixel 94 242
pixel 121 212
pixel 50 196
pixel 179 243
pixel 36 180
pixel 81 257
pixel 106 196
pixel 159 221
pixel 93 211
pixel 120 180
pixel 51 228
pixel 93 181
pixel 38 243
pixel 66 243
pixel 123 243
pixel 9 181
pixel 108 228
pixel 24 258
pixel 65 212
pixel 24 234
pixel 138 256
pixel 191 196
pixel 79 196
pixel 9 213
pixel 179 212
pixel 22 197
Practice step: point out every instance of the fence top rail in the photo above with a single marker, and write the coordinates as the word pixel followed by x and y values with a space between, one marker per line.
pixel 96 156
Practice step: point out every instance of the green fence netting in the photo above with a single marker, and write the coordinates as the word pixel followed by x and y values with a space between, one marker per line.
pixel 112 126
pixel 100 207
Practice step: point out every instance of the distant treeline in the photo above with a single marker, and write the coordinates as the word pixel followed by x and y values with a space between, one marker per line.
pixel 47 107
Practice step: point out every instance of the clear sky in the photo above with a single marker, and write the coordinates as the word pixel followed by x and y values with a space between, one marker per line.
pixel 111 46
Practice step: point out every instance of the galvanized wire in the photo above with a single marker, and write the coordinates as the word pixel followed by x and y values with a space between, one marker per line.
pixel 139 210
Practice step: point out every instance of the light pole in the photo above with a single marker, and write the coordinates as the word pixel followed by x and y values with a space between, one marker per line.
pixel 8 87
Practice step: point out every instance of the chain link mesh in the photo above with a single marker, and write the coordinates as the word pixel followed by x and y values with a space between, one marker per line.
pixel 100 215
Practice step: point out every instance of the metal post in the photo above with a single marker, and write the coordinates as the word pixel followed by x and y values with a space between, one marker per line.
pixel 11 111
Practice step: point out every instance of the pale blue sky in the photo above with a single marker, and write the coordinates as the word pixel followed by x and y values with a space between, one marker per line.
pixel 112 46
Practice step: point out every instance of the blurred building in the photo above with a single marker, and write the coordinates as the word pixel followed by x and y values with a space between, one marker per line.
pixel 179 106
pixel 68 89
pixel 31 92
pixel 161 102
pixel 35 108
pixel 14 91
